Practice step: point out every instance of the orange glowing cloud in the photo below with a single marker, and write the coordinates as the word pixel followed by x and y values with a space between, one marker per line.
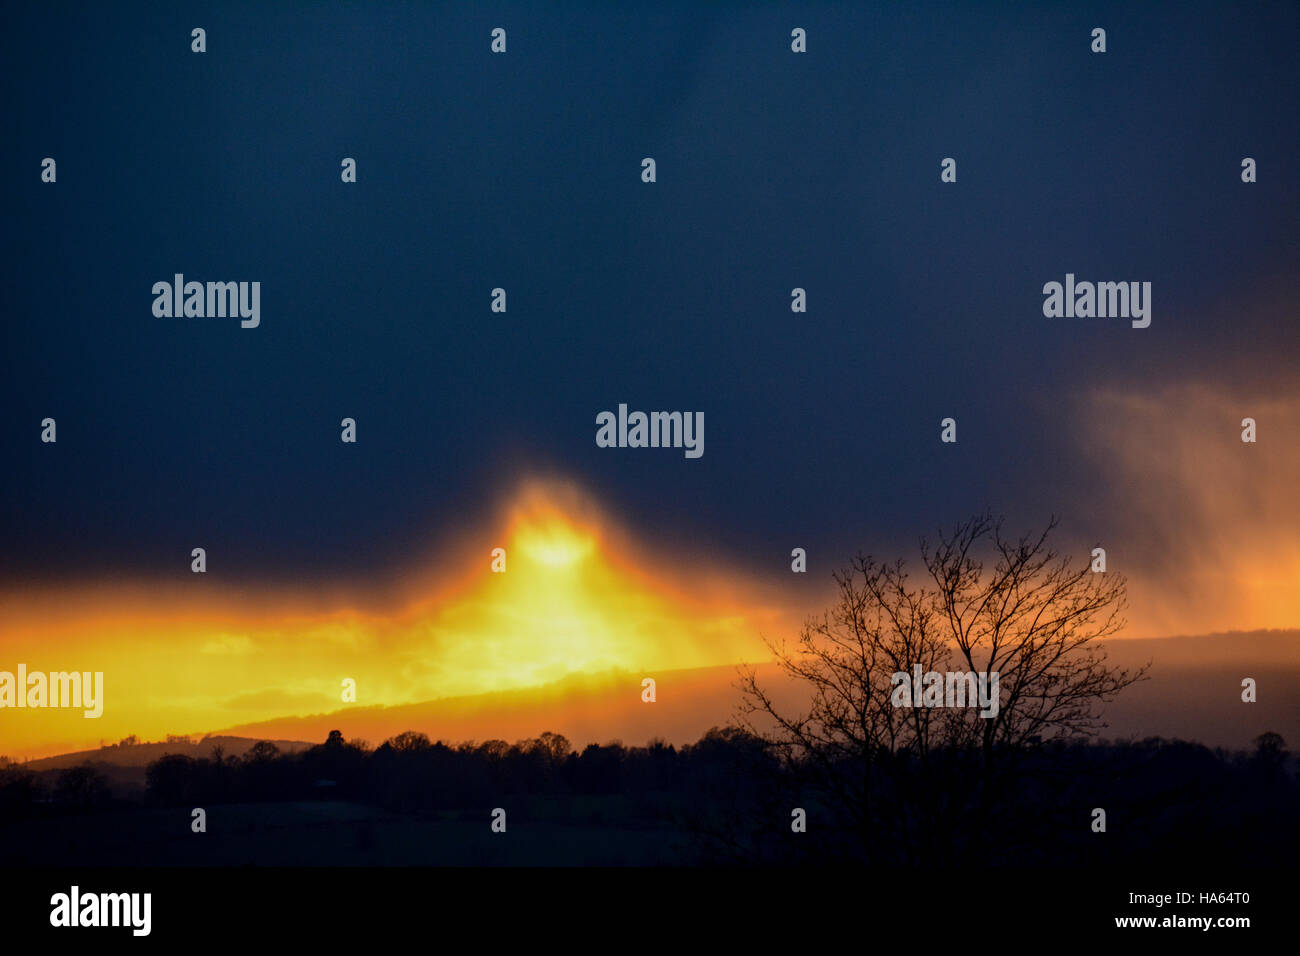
pixel 1210 525
pixel 577 597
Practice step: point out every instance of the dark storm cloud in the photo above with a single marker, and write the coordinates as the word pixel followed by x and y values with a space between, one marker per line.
pixel 522 171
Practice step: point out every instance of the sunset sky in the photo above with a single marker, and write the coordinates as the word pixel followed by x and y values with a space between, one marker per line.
pixel 573 600
pixel 476 429
pixel 581 608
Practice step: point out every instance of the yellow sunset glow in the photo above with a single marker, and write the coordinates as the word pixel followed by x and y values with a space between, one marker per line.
pixel 575 599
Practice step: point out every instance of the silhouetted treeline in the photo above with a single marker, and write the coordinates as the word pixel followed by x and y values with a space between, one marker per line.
pixel 732 801
pixel 23 792
pixel 409 773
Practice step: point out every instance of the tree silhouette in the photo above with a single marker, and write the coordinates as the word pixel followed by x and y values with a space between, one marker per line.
pixel 1270 747
pixel 261 752
pixel 82 787
pixel 986 604
pixel 557 746
pixel 723 798
pixel 172 779
pixel 409 740
pixel 1270 755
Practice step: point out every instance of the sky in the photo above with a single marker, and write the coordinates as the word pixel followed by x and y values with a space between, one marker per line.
pixel 522 171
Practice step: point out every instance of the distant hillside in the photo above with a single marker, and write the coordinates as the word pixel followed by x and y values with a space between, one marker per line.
pixel 1194 693
pixel 143 754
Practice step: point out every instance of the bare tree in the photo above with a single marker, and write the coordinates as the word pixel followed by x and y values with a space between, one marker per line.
pixel 986 604
pixel 261 752
pixel 409 740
